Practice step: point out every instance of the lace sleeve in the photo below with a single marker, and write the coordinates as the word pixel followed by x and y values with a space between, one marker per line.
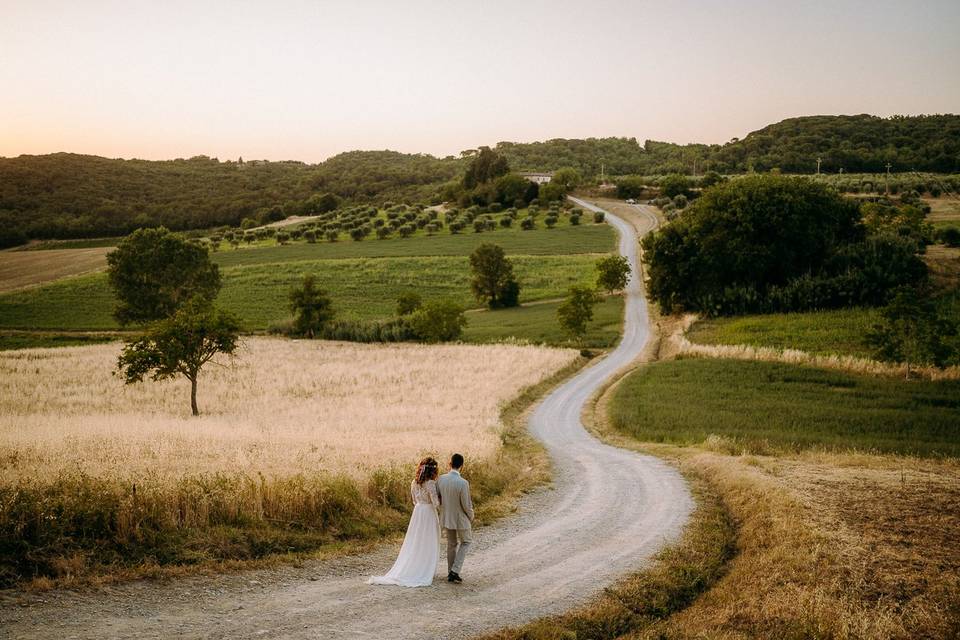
pixel 413 492
pixel 434 496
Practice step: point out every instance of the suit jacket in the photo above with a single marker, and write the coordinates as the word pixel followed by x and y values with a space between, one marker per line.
pixel 456 507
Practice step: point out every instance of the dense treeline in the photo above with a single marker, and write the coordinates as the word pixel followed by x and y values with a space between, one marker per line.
pixel 856 144
pixel 73 196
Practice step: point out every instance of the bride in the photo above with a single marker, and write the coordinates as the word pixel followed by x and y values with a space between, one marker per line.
pixel 417 561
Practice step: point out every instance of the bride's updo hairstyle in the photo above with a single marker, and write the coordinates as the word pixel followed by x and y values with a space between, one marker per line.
pixel 426 470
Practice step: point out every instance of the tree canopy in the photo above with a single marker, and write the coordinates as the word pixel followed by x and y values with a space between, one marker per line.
pixel 493 280
pixel 180 345
pixel 154 272
pixel 772 243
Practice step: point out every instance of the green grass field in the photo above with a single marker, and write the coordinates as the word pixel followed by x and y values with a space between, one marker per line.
pixel 364 279
pixel 765 407
pixel 821 332
pixel 537 324
pixel 586 238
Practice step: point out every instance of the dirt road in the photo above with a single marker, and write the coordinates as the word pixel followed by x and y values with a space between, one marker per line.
pixel 607 513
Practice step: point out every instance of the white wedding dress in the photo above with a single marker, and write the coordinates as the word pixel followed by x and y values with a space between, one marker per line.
pixel 417 562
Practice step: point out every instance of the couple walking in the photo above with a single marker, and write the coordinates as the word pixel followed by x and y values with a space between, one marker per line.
pixel 450 493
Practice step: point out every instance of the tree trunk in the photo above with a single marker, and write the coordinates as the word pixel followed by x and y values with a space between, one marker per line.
pixel 193 396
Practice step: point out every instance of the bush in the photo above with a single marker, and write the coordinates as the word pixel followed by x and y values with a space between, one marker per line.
pixel 438 321
pixel 574 219
pixel 310 236
pixel 383 232
pixel 550 221
pixel 528 224
pixel 949 236
pixel 598 217
pixel 332 235
pixel 506 221
pixel 674 185
pixel 408 302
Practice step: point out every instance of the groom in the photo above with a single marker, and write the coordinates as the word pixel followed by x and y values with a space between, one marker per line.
pixel 456 516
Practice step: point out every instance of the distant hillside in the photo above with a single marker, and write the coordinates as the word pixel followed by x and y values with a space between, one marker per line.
pixel 856 144
pixel 65 195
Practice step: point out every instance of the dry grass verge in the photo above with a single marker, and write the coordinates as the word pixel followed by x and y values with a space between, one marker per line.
pixel 104 519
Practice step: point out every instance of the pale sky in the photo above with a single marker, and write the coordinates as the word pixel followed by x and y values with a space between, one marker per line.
pixel 304 80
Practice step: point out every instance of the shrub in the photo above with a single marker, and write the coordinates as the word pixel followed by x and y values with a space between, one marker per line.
pixel 310 236
pixel 949 236
pixel 479 225
pixel 408 302
pixel 384 232
pixel 550 221
pixel 438 321
pixel 574 219
pixel 357 233
pixel 506 221
pixel 528 224
pixel 332 235
pixel 598 217
pixel 407 230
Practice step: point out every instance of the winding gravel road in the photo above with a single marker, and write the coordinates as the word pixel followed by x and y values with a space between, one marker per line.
pixel 608 512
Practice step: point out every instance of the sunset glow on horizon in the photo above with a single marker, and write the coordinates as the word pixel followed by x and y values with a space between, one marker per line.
pixel 306 80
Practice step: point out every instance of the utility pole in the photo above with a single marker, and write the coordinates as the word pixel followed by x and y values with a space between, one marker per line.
pixel 818 165
pixel 886 181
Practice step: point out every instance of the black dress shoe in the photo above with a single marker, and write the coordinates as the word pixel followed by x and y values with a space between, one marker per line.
pixel 455 577
pixel 450 576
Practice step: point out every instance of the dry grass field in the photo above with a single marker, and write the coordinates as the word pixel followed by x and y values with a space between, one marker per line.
pixel 301 444
pixel 943 210
pixel 280 408
pixel 19 269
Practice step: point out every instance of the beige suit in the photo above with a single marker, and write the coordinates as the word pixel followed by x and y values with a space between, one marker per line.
pixel 456 517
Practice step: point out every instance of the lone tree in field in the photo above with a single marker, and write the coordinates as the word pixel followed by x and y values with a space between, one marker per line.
pixel 612 273
pixel 493 280
pixel 577 310
pixel 154 272
pixel 311 306
pixel 913 331
pixel 181 345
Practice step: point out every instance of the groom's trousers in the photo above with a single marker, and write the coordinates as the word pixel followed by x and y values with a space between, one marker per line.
pixel 458 543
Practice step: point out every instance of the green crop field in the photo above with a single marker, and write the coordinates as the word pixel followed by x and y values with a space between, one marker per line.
pixel 586 238
pixel 360 288
pixel 766 407
pixel 538 324
pixel 820 332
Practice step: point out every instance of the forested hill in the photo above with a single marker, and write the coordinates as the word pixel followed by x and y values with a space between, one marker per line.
pixel 65 195
pixel 853 143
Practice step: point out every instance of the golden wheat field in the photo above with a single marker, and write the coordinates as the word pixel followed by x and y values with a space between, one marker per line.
pixel 279 408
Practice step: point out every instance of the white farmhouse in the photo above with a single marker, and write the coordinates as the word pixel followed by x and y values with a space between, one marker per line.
pixel 539 178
